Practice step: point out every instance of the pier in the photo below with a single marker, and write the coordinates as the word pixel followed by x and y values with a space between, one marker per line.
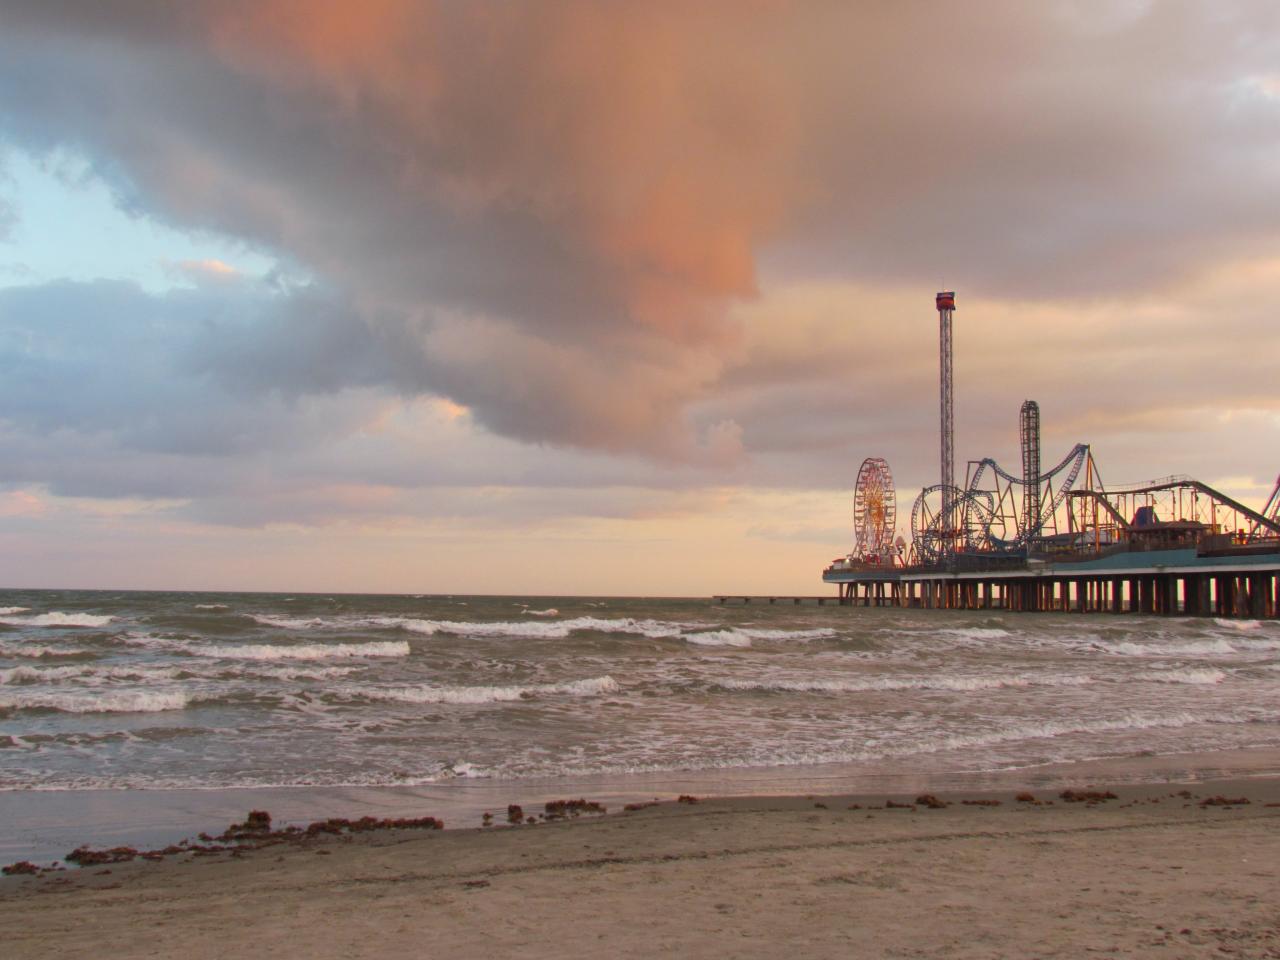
pixel 1054 538
pixel 1165 583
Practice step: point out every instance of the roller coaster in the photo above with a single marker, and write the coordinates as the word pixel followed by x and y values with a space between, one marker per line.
pixel 990 514
pixel 1074 514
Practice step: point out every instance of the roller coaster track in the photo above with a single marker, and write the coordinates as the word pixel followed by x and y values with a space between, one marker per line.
pixel 1261 521
pixel 1271 510
pixel 1073 463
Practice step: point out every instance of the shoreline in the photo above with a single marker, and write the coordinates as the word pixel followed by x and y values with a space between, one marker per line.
pixel 43 826
pixel 1153 872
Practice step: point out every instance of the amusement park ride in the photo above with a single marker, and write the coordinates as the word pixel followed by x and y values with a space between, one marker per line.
pixel 1002 520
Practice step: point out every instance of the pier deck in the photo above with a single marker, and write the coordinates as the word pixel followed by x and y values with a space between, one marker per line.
pixel 1165 582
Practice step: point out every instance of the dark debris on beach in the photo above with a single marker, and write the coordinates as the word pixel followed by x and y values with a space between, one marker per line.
pixel 254 833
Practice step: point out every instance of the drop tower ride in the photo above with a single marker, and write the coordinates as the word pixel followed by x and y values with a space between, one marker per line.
pixel 946 302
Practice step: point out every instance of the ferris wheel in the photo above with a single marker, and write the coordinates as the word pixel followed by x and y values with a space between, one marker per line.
pixel 875 510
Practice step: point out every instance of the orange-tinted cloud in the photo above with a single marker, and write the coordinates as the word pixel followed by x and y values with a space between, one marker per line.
pixel 548 210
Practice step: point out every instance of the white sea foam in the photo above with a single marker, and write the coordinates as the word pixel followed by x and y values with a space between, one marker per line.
pixel 37 650
pixel 1194 675
pixel 460 768
pixel 41 674
pixel 6 611
pixel 117 701
pixel 290 623
pixel 327 651
pixel 1189 648
pixel 267 651
pixel 300 673
pixel 1045 729
pixel 212 606
pixel 593 686
pixel 742 636
pixel 977 633
pixel 1241 625
pixel 719 638
pixel 549 612
pixel 937 682
pixel 57 619
pixel 1254 643
pixel 533 629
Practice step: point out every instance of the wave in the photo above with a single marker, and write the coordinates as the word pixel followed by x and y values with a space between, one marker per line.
pixel 977 633
pixel 6 611
pixel 1240 625
pixel 34 651
pixel 1188 675
pixel 593 686
pixel 212 606
pixel 14 675
pixel 290 623
pixel 327 651
pixel 533 629
pixel 742 636
pixel 1133 720
pixel 88 675
pixel 894 748
pixel 1244 644
pixel 1190 648
pixel 544 629
pixel 120 701
pixel 266 651
pixel 300 673
pixel 957 683
pixel 57 619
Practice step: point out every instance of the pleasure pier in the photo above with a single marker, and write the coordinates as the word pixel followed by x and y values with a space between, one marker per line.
pixel 1055 539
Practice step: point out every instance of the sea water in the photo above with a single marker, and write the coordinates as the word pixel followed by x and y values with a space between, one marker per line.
pixel 162 691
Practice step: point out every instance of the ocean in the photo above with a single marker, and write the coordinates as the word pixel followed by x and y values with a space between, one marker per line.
pixel 135 716
pixel 169 691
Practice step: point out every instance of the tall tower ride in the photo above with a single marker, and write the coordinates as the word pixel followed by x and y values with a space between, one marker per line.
pixel 946 302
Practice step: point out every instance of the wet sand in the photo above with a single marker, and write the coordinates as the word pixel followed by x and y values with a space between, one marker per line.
pixel 738 877
pixel 45 825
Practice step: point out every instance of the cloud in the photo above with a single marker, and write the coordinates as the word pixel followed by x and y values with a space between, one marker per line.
pixel 9 216
pixel 205 271
pixel 571 259
pixel 552 208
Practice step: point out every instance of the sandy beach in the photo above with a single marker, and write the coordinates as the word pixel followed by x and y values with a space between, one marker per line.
pixel 1155 872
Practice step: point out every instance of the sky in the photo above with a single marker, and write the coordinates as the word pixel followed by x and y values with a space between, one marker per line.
pixel 594 298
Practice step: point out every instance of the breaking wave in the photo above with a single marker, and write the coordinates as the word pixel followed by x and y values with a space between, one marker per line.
pixel 1187 675
pixel 977 633
pixel 96 675
pixel 120 701
pixel 1240 625
pixel 1190 648
pixel 6 611
pixel 56 619
pixel 593 686
pixel 742 636
pixel 534 629
pixel 957 683
pixel 35 651
pixel 14 675
pixel 289 623
pixel 266 651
